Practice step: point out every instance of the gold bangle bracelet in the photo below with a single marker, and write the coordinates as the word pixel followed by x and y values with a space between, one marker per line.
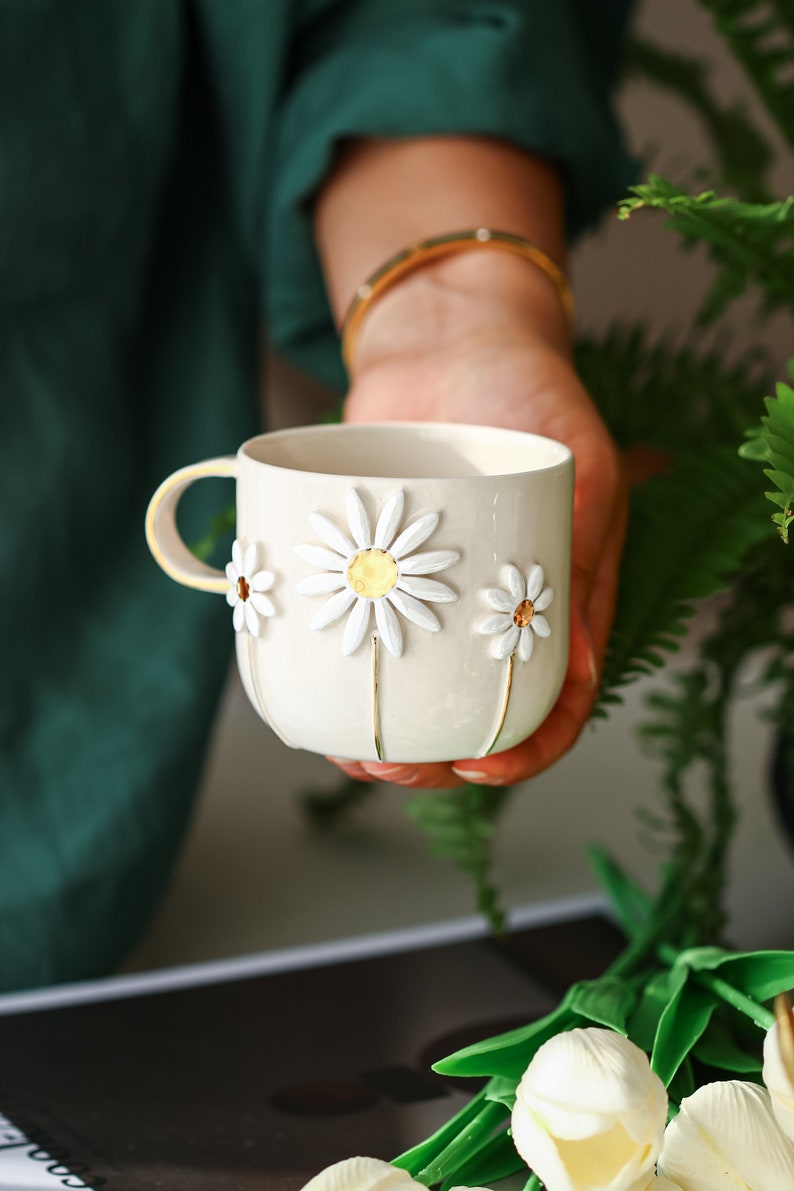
pixel 418 255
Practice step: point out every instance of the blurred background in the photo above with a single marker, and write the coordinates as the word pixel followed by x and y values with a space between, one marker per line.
pixel 255 875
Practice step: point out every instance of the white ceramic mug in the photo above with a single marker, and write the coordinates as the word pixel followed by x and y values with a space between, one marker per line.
pixel 399 591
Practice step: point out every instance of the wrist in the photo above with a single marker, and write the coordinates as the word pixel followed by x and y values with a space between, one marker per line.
pixel 469 297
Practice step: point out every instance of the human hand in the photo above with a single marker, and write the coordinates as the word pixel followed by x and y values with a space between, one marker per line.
pixel 484 341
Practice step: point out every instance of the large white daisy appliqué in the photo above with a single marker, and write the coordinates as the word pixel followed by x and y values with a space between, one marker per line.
pixel 519 609
pixel 379 571
pixel 246 589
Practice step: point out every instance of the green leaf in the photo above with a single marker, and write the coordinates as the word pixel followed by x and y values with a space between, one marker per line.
pixel 630 903
pixel 717 1047
pixel 758 974
pixel 509 1054
pixel 502 1089
pixel 683 1021
pixel 606 1002
pixel 650 1006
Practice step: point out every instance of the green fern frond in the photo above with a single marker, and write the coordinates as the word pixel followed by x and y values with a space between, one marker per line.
pixel 688 533
pixel 760 33
pixel 748 242
pixel 675 396
pixel 459 825
pixel 743 156
pixel 773 443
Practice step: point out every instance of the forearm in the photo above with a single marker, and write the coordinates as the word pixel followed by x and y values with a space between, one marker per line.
pixel 386 195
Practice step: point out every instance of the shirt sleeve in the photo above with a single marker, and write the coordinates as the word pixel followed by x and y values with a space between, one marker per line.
pixel 536 73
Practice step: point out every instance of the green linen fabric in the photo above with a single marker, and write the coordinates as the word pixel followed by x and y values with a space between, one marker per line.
pixel 157 160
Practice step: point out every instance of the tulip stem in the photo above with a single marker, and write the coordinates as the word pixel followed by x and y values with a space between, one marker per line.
pixel 422 1155
pixel 465 1145
pixel 533 1183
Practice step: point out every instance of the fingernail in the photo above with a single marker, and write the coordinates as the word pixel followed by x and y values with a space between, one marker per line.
pixel 591 665
pixel 405 773
pixel 471 775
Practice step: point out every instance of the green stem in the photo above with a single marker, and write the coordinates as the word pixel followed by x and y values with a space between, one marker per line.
pixel 533 1183
pixel 462 1147
pixel 420 1156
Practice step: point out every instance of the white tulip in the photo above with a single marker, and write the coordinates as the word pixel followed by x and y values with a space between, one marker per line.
pixel 778 1081
pixel 361 1174
pixel 368 1174
pixel 726 1137
pixel 590 1114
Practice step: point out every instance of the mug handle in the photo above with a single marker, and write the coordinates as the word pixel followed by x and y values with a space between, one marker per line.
pixel 162 535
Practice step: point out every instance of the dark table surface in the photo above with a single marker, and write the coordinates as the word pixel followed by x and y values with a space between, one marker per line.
pixel 256 1084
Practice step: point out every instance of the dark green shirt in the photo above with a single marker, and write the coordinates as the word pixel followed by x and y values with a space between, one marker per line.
pixel 156 161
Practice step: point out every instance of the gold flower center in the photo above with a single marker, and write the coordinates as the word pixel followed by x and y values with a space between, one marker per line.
pixel 372 573
pixel 243 590
pixel 523 613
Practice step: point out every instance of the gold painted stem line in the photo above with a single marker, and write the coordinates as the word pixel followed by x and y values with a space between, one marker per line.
pixel 375 708
pixel 505 702
pixel 266 716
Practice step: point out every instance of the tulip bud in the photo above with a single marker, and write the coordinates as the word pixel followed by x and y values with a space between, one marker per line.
pixel 361 1174
pixel 778 1081
pixel 726 1137
pixel 590 1113
pixel 368 1174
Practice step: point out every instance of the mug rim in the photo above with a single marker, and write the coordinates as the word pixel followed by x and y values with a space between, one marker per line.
pixel 562 455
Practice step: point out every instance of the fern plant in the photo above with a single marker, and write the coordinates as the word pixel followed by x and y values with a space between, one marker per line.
pixel 703 526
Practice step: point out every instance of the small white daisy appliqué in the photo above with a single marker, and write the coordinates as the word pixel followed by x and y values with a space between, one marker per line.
pixel 519 608
pixel 377 571
pixel 247 586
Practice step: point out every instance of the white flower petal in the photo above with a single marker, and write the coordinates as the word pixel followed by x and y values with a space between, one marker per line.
pixel 778 1082
pixel 389 627
pixel 331 534
pixel 589 1112
pixel 429 563
pixel 232 597
pixel 412 610
pixel 237 558
pixel 534 582
pixel 544 599
pixel 249 560
pixel 321 583
pixel 238 616
pixel 504 646
pixel 414 535
pixel 526 643
pixel 362 1174
pixel 726 1136
pixel 428 589
pixel 495 624
pixel 358 521
pixel 540 625
pixel 356 627
pixel 332 609
pixel 389 519
pixel 502 601
pixel 514 582
pixel 262 604
pixel 318 556
pixel 251 619
pixel 232 574
pixel 262 581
